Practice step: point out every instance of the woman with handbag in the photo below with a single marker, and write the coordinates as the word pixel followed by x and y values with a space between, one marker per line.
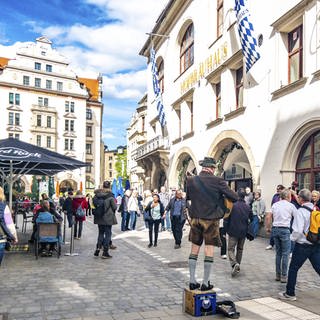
pixel 155 211
pixel 7 228
pixel 147 199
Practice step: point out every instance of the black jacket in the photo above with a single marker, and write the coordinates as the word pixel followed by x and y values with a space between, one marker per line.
pixel 170 207
pixel 236 225
pixel 110 207
pixel 67 206
pixel 202 203
pixel 148 208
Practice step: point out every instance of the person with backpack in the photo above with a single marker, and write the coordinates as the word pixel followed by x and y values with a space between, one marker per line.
pixel 104 213
pixel 79 206
pixel 304 249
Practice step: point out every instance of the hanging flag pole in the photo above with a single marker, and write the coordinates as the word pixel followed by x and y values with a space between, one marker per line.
pixel 246 32
pixel 156 86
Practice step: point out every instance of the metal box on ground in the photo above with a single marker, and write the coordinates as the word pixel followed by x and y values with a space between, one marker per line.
pixel 199 303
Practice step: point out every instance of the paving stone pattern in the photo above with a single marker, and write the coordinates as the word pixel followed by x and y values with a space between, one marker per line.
pixel 137 283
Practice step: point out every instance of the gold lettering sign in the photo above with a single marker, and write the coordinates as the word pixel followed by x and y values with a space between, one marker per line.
pixel 205 67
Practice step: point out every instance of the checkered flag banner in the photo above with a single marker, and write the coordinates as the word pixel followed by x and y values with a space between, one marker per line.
pixel 156 88
pixel 246 32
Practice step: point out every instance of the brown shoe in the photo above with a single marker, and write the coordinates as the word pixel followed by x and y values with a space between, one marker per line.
pixel 112 247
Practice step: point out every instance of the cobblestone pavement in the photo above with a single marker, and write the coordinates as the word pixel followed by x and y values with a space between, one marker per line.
pixel 143 283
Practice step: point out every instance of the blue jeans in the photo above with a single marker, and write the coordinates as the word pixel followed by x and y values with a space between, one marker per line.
pixel 255 222
pixel 104 237
pixel 168 221
pixel 133 217
pixel 282 242
pixel 301 253
pixel 2 246
pixel 123 220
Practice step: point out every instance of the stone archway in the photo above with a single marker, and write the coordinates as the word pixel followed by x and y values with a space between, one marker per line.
pixel 68 185
pixel 235 158
pixel 184 161
pixel 296 142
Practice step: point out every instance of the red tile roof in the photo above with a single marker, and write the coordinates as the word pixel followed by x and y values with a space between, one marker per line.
pixel 92 86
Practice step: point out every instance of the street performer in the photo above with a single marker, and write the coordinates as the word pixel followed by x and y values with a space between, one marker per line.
pixel 206 193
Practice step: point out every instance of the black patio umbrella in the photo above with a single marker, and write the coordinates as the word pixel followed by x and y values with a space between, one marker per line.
pixel 19 158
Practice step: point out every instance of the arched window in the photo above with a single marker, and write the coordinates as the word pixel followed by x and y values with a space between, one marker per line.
pixel 161 75
pixel 308 164
pixel 186 49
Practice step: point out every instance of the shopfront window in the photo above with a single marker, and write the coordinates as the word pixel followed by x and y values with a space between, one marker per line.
pixel 308 164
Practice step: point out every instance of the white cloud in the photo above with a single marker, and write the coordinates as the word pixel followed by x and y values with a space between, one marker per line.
pixel 125 86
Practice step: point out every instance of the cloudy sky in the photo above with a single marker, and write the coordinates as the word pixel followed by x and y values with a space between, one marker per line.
pixel 96 36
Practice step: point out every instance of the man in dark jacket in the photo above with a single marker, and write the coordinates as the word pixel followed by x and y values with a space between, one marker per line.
pixel 104 216
pixel 176 207
pixel 67 207
pixel 236 226
pixel 206 193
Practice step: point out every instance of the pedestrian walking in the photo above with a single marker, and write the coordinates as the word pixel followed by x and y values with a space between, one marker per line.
pixel 176 208
pixel 147 199
pixel 79 206
pixel 249 198
pixel 258 211
pixel 303 249
pixel 8 232
pixel 165 198
pixel 124 209
pixel 68 209
pixel 236 226
pixel 133 208
pixel 155 211
pixel 282 213
pixel 89 202
pixel 206 193
pixel 315 199
pixel 105 217
pixel 275 198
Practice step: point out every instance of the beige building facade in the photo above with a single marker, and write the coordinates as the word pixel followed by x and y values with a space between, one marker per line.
pixel 46 104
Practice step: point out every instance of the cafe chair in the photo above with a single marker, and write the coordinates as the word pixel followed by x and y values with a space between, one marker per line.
pixel 48 233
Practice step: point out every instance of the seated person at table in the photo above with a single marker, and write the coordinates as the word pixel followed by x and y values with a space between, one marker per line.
pixel 45 216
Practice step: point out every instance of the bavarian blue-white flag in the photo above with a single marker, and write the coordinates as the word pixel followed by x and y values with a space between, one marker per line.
pixel 156 88
pixel 246 32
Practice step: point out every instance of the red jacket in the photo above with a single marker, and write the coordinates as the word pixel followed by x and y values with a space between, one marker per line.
pixel 76 202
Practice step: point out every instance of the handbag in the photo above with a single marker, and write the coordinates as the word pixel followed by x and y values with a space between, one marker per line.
pixel 146 215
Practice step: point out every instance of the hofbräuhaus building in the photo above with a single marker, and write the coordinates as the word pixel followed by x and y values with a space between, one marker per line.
pixel 263 127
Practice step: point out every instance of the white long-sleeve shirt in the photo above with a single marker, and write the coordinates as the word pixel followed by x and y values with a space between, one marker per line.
pixel 301 224
pixel 133 204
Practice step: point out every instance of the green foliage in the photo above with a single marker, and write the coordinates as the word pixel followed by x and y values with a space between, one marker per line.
pixel 121 166
pixel 35 188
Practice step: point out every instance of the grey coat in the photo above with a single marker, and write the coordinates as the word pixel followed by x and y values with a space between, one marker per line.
pixel 109 217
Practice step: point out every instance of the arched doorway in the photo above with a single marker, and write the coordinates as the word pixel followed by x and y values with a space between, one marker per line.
pixel 308 163
pixel 234 166
pixel 185 167
pixel 68 185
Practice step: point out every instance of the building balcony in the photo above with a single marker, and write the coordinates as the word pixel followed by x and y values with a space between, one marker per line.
pixel 44 109
pixel 142 137
pixel 157 144
pixel 43 129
